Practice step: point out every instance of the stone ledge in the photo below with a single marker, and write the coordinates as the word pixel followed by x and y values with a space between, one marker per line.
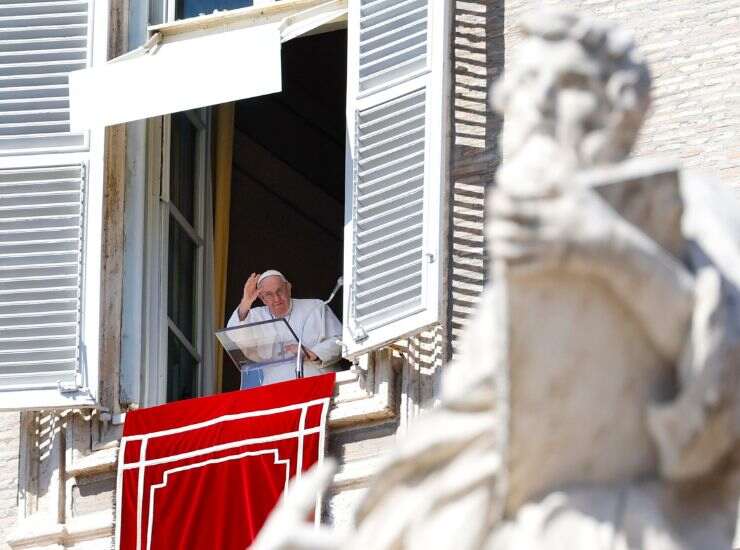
pixel 37 533
pixel 355 473
pixel 97 462
pixel 353 404
pixel 365 410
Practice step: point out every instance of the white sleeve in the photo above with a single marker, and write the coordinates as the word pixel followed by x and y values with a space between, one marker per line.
pixel 234 319
pixel 328 350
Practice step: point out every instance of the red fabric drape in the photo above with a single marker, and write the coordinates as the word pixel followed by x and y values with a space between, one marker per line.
pixel 205 473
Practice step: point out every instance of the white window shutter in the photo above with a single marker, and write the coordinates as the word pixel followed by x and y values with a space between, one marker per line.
pixel 49 215
pixel 395 169
pixel 41 43
pixel 40 277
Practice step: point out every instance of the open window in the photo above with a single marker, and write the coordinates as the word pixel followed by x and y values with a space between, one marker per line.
pixel 185 291
pixel 188 146
pixel 287 184
pixel 338 155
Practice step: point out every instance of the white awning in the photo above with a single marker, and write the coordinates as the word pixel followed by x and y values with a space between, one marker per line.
pixel 197 62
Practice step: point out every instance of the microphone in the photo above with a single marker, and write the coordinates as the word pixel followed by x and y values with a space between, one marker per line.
pixel 299 358
pixel 337 286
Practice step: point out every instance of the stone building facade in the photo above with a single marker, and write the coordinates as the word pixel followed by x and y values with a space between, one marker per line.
pixel 692 52
pixel 9 452
pixel 57 469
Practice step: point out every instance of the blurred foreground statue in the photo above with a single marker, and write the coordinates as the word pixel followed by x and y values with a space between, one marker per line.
pixel 595 403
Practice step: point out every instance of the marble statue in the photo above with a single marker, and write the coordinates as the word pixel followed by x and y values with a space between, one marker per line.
pixel 595 402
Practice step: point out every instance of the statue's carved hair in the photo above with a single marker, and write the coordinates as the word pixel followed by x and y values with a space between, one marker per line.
pixel 625 73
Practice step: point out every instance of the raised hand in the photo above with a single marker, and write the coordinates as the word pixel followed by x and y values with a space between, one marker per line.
pixel 249 295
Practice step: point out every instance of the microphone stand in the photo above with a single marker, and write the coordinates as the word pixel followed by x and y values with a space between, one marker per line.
pixel 301 349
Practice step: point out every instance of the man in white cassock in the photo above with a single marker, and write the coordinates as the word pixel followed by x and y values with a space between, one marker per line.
pixel 311 320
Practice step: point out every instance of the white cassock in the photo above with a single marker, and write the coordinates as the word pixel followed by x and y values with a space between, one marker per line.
pixel 313 322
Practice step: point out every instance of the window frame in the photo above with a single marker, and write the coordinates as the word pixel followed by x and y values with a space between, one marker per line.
pixel 199 120
pixel 143 362
pixel 151 368
pixel 157 323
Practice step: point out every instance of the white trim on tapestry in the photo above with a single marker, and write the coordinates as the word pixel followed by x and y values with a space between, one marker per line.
pixel 226 417
pixel 140 492
pixel 153 488
pixel 145 438
pixel 221 447
pixel 301 430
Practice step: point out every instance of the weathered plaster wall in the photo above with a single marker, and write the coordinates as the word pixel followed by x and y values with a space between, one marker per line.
pixel 9 440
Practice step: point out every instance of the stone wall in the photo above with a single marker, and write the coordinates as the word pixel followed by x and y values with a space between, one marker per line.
pixel 476 48
pixel 9 440
pixel 693 49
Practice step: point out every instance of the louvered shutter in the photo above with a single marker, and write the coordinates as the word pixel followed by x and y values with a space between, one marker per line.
pixel 48 355
pixel 40 277
pixel 396 146
pixel 41 43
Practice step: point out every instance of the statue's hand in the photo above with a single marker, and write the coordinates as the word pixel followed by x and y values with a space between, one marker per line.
pixel 571 229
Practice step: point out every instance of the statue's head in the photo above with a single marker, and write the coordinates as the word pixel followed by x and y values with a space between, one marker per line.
pixel 578 82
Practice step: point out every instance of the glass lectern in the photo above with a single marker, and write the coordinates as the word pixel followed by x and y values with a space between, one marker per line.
pixel 265 352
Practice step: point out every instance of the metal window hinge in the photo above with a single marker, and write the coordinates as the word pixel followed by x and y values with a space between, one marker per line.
pixel 149 47
pixel 115 419
pixel 359 334
pixel 429 257
pixel 68 387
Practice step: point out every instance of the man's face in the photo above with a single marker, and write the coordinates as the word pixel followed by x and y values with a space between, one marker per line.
pixel 557 94
pixel 275 293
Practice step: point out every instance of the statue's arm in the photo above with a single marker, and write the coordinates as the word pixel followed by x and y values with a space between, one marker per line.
pixel 655 286
pixel 287 527
pixel 577 231
pixel 694 431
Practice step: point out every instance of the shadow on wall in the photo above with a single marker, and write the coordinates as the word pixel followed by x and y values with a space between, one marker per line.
pixel 477 47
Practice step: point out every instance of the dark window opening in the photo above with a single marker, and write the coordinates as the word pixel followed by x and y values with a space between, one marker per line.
pixel 182 252
pixel 287 193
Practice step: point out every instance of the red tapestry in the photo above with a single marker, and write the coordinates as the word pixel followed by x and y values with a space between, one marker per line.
pixel 205 473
